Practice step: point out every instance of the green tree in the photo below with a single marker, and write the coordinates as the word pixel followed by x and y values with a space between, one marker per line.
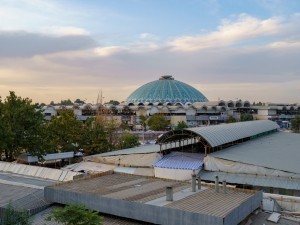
pixel 95 138
pixel 78 101
pixel 13 216
pixel 181 125
pixel 230 119
pixel 128 141
pixel 113 102
pixel 64 132
pixel 158 122
pixel 143 121
pixel 296 123
pixel 66 102
pixel 246 117
pixel 22 127
pixel 75 215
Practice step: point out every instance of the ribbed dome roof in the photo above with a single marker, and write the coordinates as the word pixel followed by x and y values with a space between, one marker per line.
pixel 166 89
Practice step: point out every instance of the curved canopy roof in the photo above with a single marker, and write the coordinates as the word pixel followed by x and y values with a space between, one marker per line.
pixel 166 89
pixel 217 135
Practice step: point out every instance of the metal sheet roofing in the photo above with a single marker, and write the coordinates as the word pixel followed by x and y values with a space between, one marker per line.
pixel 143 149
pixel 280 151
pixel 255 180
pixel 181 160
pixel 226 133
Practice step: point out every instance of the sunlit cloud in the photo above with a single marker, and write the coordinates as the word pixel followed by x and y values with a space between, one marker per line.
pixel 230 31
pixel 65 31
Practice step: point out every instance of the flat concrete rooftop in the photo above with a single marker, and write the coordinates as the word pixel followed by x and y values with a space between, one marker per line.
pixel 143 199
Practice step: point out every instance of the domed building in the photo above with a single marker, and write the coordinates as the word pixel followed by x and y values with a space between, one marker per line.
pixel 166 90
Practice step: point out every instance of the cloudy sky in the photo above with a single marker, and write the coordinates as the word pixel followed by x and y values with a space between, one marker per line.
pixel 227 49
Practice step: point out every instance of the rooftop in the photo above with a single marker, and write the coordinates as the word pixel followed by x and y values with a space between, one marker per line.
pixel 218 135
pixel 278 151
pixel 144 199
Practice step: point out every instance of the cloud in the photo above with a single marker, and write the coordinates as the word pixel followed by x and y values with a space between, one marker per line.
pixel 61 67
pixel 65 31
pixel 232 31
pixel 24 44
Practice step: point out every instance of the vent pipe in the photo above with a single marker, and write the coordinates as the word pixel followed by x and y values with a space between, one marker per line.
pixel 217 184
pixel 169 193
pixel 193 182
pixel 224 186
pixel 199 182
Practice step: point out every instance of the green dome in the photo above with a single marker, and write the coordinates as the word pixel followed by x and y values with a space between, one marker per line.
pixel 166 89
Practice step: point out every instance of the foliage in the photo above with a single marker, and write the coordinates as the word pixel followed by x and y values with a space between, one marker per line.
pixel 128 141
pixel 181 125
pixel 66 102
pixel 296 123
pixel 75 215
pixel 22 127
pixel 230 119
pixel 143 121
pixel 95 138
pixel 113 102
pixel 79 101
pixel 64 132
pixel 14 217
pixel 158 122
pixel 125 126
pixel 246 117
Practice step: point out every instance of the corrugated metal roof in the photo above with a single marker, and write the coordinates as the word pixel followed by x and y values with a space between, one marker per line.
pixel 47 157
pixel 263 181
pixel 278 151
pixel 143 149
pixel 225 133
pixel 181 160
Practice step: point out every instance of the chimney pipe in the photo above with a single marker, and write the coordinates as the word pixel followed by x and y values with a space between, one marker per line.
pixel 199 182
pixel 169 193
pixel 217 184
pixel 193 182
pixel 224 186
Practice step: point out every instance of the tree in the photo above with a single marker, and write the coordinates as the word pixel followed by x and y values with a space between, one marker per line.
pixel 22 127
pixel 75 215
pixel 15 217
pixel 113 102
pixel 66 102
pixel 181 125
pixel 296 123
pixel 230 119
pixel 143 121
pixel 64 132
pixel 128 141
pixel 158 122
pixel 78 101
pixel 246 117
pixel 95 138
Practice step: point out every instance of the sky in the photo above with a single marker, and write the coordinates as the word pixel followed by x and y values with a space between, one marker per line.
pixel 52 50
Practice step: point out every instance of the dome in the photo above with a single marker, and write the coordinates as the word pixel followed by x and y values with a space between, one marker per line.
pixel 166 89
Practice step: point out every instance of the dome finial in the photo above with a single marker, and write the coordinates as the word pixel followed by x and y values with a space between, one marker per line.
pixel 166 77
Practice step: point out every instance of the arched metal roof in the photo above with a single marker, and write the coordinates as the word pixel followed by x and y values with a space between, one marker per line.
pixel 217 135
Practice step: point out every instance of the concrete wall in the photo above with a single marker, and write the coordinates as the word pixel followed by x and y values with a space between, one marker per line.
pixel 133 210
